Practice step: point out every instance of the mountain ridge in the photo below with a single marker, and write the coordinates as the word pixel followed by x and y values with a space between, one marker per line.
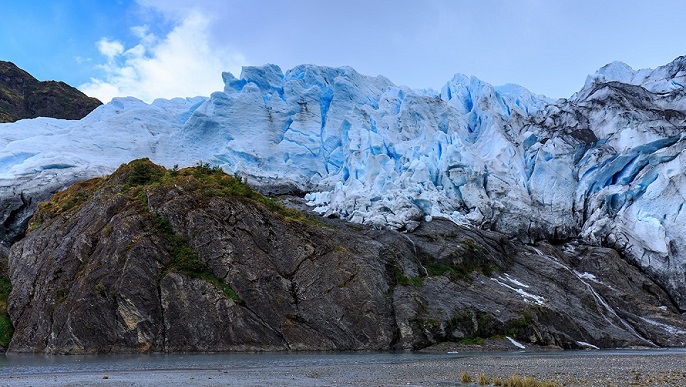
pixel 22 96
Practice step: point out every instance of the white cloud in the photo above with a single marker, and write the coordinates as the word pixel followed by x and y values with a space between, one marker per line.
pixel 181 64
pixel 110 49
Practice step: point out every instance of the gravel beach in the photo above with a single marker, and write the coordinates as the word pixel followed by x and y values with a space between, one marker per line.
pixel 584 368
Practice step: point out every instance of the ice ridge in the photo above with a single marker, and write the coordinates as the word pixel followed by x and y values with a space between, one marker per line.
pixel 606 165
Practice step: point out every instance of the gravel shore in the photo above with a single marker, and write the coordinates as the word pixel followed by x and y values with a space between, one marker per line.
pixel 587 368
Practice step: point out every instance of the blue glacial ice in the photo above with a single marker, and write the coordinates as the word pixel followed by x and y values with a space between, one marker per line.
pixel 605 165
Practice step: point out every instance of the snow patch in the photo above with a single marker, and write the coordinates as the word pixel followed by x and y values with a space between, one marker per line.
pixel 667 328
pixel 516 343
pixel 528 297
pixel 514 281
pixel 587 345
pixel 587 276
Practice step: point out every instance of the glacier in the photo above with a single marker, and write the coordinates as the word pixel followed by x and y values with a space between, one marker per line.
pixel 605 165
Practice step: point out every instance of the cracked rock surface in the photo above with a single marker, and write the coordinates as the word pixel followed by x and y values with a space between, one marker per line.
pixel 100 274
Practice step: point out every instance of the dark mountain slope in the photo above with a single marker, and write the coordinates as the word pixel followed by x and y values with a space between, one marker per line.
pixel 23 96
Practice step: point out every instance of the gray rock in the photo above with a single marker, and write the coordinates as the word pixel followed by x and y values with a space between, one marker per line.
pixel 104 276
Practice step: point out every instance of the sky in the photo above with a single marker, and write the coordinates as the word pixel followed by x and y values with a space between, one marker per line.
pixel 178 48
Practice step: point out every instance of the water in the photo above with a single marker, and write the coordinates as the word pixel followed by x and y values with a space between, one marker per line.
pixel 234 369
pixel 21 364
pixel 326 369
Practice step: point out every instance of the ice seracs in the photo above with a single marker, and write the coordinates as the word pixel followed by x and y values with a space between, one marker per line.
pixel 664 79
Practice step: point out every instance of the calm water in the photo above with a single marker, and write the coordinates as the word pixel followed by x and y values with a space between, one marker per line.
pixel 285 369
pixel 54 364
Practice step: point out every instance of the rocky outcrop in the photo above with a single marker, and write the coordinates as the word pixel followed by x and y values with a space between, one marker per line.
pixel 193 260
pixel 21 198
pixel 23 96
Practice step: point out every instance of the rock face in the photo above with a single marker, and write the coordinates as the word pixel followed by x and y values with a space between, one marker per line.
pixel 192 260
pixel 23 96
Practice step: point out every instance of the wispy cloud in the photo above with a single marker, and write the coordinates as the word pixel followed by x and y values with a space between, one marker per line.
pixel 184 63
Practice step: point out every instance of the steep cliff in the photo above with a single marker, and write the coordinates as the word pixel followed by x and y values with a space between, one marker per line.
pixel 150 259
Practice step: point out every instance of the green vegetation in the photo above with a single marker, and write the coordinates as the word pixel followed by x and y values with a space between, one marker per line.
pixel 228 292
pixel 462 265
pixel 107 231
pixel 143 175
pixel 186 260
pixel 453 272
pixel 483 380
pixel 402 279
pixel 142 197
pixel 512 381
pixel 472 341
pixel 477 326
pixel 521 323
pixel 466 377
pixel 523 381
pixel 471 245
pixel 204 179
pixel 143 172
pixel 62 202
pixel 100 288
pixel 6 328
pixel 480 326
pixel 459 266
pixel 61 296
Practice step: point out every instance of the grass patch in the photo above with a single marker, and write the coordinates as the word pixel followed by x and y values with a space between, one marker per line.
pixel 462 266
pixel 472 341
pixel 228 291
pixel 458 272
pixel 402 279
pixel 62 202
pixel 475 326
pixel 107 231
pixel 6 327
pixel 204 179
pixel 101 289
pixel 471 245
pixel 512 381
pixel 141 175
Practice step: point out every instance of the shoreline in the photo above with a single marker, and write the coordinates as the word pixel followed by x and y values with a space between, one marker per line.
pixel 568 368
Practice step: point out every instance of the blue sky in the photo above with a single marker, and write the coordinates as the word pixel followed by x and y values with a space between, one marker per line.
pixel 168 48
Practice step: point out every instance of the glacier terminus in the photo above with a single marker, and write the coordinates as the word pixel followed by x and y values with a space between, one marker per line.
pixel 605 166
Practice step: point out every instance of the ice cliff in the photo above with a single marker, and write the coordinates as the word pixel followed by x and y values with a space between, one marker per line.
pixel 604 165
